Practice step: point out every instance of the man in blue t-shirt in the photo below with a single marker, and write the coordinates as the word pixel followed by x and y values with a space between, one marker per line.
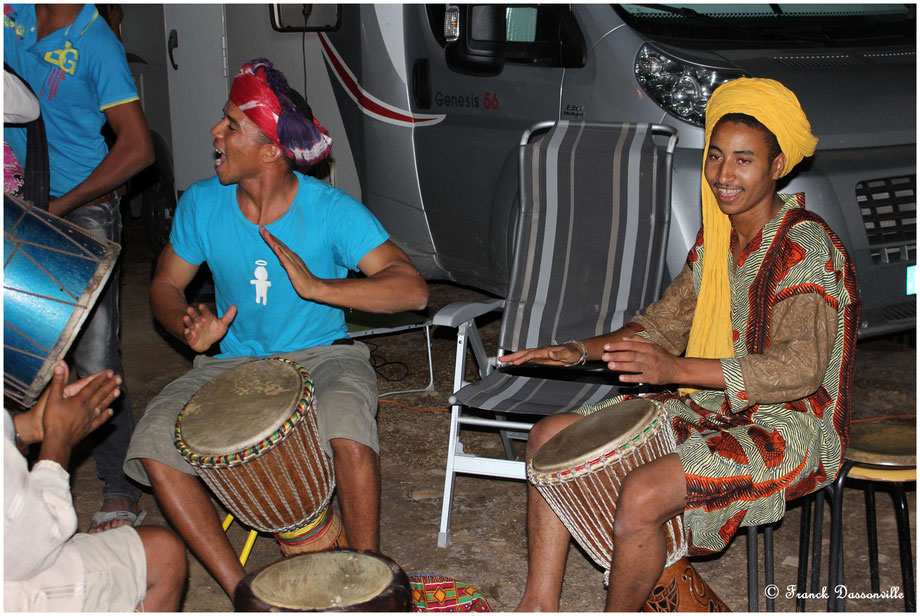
pixel 279 245
pixel 77 68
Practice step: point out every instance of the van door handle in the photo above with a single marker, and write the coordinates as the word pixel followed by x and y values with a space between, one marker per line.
pixel 421 83
pixel 171 44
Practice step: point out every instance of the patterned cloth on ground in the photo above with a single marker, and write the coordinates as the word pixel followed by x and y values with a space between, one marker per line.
pixel 437 593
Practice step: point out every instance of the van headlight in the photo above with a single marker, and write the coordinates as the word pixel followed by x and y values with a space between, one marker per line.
pixel 681 87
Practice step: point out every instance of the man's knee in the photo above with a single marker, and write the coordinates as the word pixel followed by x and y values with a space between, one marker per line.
pixel 165 554
pixel 162 475
pixel 638 507
pixel 347 451
pixel 547 428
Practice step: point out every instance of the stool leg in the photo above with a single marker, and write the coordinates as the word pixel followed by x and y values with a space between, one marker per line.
pixel 801 581
pixel 835 572
pixel 768 564
pixel 907 571
pixel 872 532
pixel 816 540
pixel 227 522
pixel 752 568
pixel 247 548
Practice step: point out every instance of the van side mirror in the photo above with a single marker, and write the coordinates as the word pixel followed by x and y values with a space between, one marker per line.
pixel 478 49
pixel 483 37
pixel 305 17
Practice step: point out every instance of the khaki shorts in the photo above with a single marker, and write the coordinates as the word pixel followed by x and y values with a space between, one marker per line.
pixel 105 572
pixel 345 390
pixel 115 569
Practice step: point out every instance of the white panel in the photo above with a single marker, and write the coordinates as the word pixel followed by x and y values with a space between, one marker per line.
pixel 197 89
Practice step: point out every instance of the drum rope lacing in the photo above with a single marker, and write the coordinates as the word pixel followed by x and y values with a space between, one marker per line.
pixel 252 510
pixel 633 444
pixel 581 501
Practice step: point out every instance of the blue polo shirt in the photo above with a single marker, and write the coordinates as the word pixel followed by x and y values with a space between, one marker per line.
pixel 77 73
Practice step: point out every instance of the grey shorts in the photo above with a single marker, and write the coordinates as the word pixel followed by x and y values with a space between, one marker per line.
pixel 345 391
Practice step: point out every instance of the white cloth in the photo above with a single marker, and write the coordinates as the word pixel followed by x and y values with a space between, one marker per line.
pixel 19 104
pixel 46 568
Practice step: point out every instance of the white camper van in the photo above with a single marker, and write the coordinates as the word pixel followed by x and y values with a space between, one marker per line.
pixel 426 104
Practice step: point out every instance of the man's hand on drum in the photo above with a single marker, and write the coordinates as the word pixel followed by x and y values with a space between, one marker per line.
pixel 641 361
pixel 203 328
pixel 556 355
pixel 302 279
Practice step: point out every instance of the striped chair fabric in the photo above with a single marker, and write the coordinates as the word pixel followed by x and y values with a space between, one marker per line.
pixel 589 254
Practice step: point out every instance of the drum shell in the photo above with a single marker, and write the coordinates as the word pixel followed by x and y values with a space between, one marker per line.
pixel 396 597
pixel 53 273
pixel 282 489
pixel 585 497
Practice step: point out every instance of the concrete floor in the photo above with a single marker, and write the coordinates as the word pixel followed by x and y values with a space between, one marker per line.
pixel 488 549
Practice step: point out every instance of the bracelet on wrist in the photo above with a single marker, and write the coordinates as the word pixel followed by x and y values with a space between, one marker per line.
pixel 584 352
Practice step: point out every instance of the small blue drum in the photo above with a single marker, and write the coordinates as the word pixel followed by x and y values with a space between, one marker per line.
pixel 53 271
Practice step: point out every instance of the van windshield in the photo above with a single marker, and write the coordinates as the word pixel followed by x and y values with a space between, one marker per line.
pixel 734 26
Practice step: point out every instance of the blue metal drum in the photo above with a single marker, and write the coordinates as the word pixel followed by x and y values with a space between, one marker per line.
pixel 53 271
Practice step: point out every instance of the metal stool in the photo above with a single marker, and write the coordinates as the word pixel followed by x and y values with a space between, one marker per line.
pixel 880 450
pixel 754 589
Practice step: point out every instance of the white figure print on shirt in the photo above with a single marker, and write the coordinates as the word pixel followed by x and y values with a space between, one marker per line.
pixel 261 282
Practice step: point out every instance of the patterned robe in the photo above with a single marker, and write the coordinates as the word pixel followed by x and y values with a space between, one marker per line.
pixel 772 434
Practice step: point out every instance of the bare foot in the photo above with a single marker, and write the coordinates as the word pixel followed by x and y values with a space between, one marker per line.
pixel 534 605
pixel 112 505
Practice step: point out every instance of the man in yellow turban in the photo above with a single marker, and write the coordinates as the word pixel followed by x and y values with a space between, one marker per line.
pixel 758 329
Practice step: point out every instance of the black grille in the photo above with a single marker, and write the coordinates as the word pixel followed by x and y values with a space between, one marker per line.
pixel 889 213
pixel 901 312
pixel 897 57
pixel 818 61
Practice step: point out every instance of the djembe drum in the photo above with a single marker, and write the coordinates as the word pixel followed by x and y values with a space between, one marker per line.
pixel 251 435
pixel 53 272
pixel 339 581
pixel 580 472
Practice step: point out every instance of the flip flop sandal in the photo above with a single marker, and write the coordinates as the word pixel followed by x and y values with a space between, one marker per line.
pixel 101 517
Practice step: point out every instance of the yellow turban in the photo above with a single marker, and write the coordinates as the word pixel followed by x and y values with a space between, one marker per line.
pixel 777 108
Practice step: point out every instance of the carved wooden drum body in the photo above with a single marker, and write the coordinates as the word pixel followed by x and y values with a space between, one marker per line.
pixel 251 434
pixel 580 472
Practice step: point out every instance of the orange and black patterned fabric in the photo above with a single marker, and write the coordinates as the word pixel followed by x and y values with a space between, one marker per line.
pixel 745 457
pixel 437 593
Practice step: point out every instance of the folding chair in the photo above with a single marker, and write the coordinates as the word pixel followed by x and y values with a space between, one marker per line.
pixel 589 254
pixel 362 324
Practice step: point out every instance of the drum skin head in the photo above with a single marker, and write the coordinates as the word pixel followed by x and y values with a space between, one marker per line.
pixel 342 580
pixel 594 436
pixel 241 407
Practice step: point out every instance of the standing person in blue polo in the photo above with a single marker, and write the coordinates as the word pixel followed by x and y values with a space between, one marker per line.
pixel 77 68
pixel 279 245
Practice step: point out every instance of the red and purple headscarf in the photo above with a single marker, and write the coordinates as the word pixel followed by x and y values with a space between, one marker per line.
pixel 261 92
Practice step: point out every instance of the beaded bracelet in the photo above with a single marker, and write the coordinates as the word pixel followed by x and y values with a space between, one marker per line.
pixel 584 353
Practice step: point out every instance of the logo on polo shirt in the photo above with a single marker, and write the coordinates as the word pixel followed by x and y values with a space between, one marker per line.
pixel 9 21
pixel 62 58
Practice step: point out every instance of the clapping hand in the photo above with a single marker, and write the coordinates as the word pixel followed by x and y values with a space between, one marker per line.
pixel 203 328
pixel 302 279
pixel 67 413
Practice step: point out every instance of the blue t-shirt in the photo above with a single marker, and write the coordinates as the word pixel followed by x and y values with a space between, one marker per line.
pixel 77 73
pixel 324 226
